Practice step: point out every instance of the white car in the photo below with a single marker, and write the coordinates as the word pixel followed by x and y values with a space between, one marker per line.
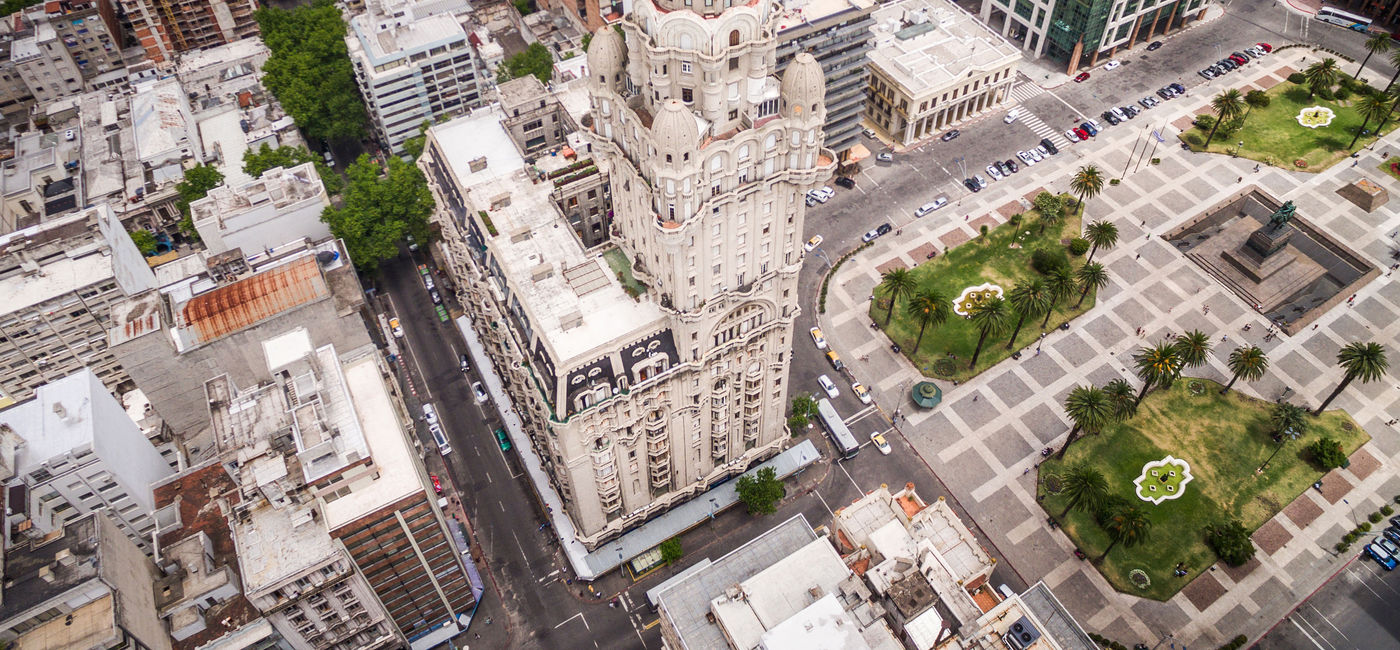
pixel 1025 158
pixel 429 414
pixel 994 172
pixel 396 327
pixel 480 392
pixel 822 195
pixel 812 243
pixel 1040 149
pixel 880 443
pixel 1011 116
pixel 1112 64
pixel 817 338
pixel 1095 124
pixel 931 206
pixel 862 393
pixel 1035 154
pixel 829 387
pixel 885 157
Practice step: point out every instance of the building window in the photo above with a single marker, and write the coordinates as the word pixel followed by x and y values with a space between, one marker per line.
pixel 687 95
pixel 685 66
pixel 734 38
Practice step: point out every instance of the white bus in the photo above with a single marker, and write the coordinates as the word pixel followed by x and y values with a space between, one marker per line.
pixel 840 434
pixel 1345 19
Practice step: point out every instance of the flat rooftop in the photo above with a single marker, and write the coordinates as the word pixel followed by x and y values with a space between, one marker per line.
pixel 160 115
pixel 798 13
pixel 780 591
pixel 575 301
pixel 46 433
pixel 398 475
pixel 399 42
pixel 25 587
pixel 278 543
pixel 930 45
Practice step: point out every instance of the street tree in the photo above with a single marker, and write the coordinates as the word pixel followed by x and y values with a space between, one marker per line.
pixel 309 69
pixel 265 158
pixel 1364 361
pixel 1378 44
pixel 761 491
pixel 382 204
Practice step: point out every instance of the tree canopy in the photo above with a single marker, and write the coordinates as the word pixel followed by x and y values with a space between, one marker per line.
pixel 381 204
pixel 761 493
pixel 1230 541
pixel 265 158
pixel 309 70
pixel 535 60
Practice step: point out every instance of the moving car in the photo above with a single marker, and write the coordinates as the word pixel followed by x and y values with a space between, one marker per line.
pixel 835 360
pixel 817 338
pixel 880 443
pixel 502 440
pixel 1382 557
pixel 1153 45
pixel 1011 116
pixel 931 206
pixel 395 327
pixel 1081 77
pixel 1111 65
pixel 862 393
pixel 812 243
pixel 830 388
pixel 950 135
pixel 885 157
pixel 479 392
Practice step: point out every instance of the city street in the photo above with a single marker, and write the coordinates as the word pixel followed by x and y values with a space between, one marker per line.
pixel 1355 610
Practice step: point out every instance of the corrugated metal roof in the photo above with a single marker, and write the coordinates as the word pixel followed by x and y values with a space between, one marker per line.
pixel 244 303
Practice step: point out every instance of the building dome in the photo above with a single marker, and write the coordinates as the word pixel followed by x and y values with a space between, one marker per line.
pixel 605 54
pixel 804 86
pixel 674 129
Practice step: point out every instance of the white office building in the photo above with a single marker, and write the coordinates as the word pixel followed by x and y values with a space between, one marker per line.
pixel 280 206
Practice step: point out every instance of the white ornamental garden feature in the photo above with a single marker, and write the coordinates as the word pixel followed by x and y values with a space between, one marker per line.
pixel 973 296
pixel 1316 116
pixel 1162 480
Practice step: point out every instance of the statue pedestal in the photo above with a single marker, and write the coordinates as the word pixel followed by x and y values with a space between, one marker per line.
pixel 1258 262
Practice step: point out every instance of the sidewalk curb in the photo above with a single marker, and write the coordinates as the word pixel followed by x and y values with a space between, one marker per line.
pixel 1309 596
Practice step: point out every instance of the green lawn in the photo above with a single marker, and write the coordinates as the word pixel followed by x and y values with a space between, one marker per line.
pixel 989 259
pixel 1385 167
pixel 1273 136
pixel 618 262
pixel 1224 438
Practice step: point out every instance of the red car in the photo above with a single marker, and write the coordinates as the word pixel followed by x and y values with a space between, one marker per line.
pixel 437 485
pixel 1266 47
pixel 1083 135
pixel 1081 77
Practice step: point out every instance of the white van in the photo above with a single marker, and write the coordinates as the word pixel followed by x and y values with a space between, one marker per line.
pixel 931 206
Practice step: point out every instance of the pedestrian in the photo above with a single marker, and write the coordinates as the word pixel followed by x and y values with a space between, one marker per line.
pixel 974 398
pixel 1037 352
pixel 1149 236
pixel 1138 256
pixel 1239 179
pixel 1256 168
pixel 1353 163
pixel 966 217
pixel 1206 310
pixel 1027 471
pixel 1224 338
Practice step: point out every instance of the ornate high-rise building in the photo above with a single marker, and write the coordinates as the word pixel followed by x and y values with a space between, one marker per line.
pixel 638 402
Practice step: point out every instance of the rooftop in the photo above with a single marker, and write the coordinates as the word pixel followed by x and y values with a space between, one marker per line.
pixel 58 419
pixel 401 41
pixel 49 568
pixel 798 13
pixel 278 186
pixel 161 116
pixel 929 45
pixel 275 544
pixel 233 307
pixel 575 300
pixel 779 592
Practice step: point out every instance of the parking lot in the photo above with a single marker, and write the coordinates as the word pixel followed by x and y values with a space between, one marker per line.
pixel 1355 610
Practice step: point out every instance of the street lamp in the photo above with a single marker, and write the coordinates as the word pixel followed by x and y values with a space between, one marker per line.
pixel 1238 146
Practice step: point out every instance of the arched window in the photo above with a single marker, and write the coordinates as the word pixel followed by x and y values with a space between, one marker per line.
pixel 734 38
pixel 771 142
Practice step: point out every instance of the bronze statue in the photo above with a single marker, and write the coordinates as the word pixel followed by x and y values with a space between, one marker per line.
pixel 1282 215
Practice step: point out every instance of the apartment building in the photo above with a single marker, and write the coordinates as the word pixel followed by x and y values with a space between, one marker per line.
pixel 277 207
pixel 413 65
pixel 41 181
pixel 85 586
pixel 61 279
pixel 90 32
pixel 934 66
pixel 79 453
pixel 836 33
pixel 1079 33
pixel 591 15
pixel 642 395
pixel 167 28
pixel 45 65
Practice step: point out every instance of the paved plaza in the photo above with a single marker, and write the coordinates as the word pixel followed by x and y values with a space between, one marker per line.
pixel 987 432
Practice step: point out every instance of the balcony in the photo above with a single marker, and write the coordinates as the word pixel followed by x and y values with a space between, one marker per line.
pixel 658 447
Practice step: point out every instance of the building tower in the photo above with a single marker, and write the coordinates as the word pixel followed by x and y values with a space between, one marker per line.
pixel 711 158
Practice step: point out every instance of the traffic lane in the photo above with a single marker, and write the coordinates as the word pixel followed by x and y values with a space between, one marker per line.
pixel 1353 610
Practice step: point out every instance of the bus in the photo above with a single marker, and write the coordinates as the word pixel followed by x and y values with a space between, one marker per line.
pixel 840 435
pixel 1345 19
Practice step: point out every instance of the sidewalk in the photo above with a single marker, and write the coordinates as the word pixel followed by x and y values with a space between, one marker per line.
pixel 981 448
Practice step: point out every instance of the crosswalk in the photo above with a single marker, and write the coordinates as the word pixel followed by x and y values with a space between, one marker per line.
pixel 1024 91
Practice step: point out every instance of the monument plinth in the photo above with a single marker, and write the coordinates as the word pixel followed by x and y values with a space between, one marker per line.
pixel 1260 261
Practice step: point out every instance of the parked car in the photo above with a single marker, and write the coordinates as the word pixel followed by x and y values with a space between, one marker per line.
pixel 870 236
pixel 931 206
pixel 817 338
pixel 1089 128
pixel 822 194
pixel 835 360
pixel 862 393
pixel 1206 73
pixel 869 133
pixel 1049 146
pixel 1147 102
pixel 1385 559
pixel 1165 93
pixel 884 229
pixel 1011 165
pixel 1083 135
pixel 1081 77
pixel 1154 45
pixel 1011 116
pixel 502 440
pixel 877 439
pixel 464 363
pixel 950 135
pixel 885 157
pixel 1111 65
pixel 846 182
pixel 1025 158
pixel 437 484
pixel 1240 55
pixel 437 297
pixel 1036 155
pixel 830 388
pixel 1389 547
pixel 395 327
pixel 812 243
pixel 1111 118
pixel 1001 167
pixel 1266 47
pixel 994 172
pixel 971 185
pixel 430 414
pixel 1071 135
pixel 1096 127
pixel 1392 534
pixel 480 392
pixel 1180 89
pixel 980 181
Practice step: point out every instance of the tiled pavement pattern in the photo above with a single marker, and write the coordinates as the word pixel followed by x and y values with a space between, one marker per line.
pixel 982 446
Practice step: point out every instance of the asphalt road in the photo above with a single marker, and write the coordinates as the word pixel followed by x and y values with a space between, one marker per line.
pixel 1356 609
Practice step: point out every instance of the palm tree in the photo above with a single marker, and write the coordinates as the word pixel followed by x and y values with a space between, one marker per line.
pixel 1084 488
pixel 1394 61
pixel 1091 276
pixel 1087 182
pixel 1255 99
pixel 1378 44
pixel 1101 234
pixel 1156 365
pixel 1288 424
pixel 1191 348
pixel 1370 107
pixel 1127 525
pixel 1394 95
pixel 1248 362
pixel 1062 285
pixel 928 307
pixel 1029 299
pixel 896 283
pixel 989 316
pixel 1322 74
pixel 1364 361
pixel 1090 409
pixel 1121 394
pixel 1227 106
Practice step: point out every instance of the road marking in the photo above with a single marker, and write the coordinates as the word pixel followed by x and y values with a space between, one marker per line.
pixel 1362 580
pixel 414 357
pixel 626 602
pixel 502 505
pixel 578 616
pixel 555 573
pixel 652 624
pixel 848 477
pixel 518 545
pixel 1328 621
pixel 1294 621
pixel 824 505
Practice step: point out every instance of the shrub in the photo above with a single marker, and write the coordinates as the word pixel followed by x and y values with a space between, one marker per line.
pixel 1078 246
pixel 797 424
pixel 1387 510
pixel 1230 541
pixel 1235 643
pixel 1327 453
pixel 1326 93
pixel 1205 123
pixel 1364 527
pixel 1113 181
pixel 1342 93
pixel 1349 538
pixel 1376 517
pixel 1046 260
pixel 1342 547
pixel 1297 78
pixel 671 550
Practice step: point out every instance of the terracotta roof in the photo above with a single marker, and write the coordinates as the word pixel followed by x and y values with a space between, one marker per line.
pixel 249 301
